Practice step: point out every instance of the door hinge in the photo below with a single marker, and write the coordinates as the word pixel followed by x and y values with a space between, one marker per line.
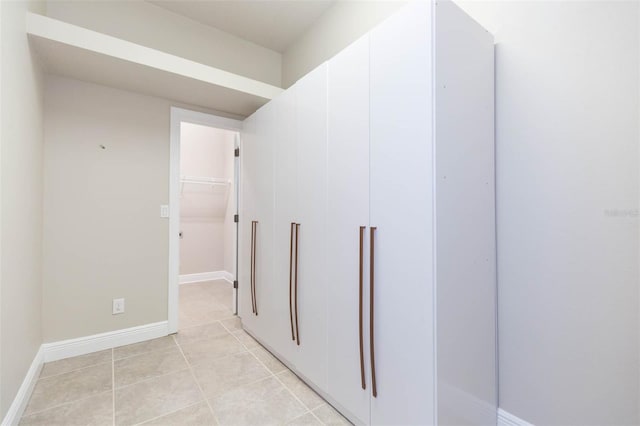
pixel 236 218
pixel 235 284
pixel 237 152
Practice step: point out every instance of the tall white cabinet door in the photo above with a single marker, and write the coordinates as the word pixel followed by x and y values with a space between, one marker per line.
pixel 258 194
pixel 248 178
pixel 347 211
pixel 285 174
pixel 311 139
pixel 402 211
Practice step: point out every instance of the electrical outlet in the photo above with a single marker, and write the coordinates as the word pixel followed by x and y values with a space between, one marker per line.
pixel 118 306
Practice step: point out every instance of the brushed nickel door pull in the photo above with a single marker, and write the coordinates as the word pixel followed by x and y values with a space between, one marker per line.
pixel 255 243
pixel 293 337
pixel 374 389
pixel 296 286
pixel 361 269
pixel 253 306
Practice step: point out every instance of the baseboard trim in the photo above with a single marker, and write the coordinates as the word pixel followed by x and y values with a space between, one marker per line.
pixel 98 342
pixel 507 419
pixel 26 389
pixel 206 276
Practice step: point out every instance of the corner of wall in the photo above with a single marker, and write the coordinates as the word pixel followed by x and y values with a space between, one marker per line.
pixel 21 197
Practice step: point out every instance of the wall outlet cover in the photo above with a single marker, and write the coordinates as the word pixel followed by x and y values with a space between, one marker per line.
pixel 118 306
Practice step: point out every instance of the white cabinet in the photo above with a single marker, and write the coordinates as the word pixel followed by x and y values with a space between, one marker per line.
pixel 401 211
pixel 285 195
pixel 382 158
pixel 311 141
pixel 347 219
pixel 289 133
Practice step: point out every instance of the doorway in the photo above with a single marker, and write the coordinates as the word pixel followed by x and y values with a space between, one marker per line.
pixel 202 227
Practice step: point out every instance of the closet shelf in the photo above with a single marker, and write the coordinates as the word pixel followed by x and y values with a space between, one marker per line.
pixel 87 55
pixel 205 180
pixel 209 181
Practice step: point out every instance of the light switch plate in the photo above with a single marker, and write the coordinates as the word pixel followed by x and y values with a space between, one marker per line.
pixel 164 210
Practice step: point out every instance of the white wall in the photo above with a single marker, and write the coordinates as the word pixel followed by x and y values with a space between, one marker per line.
pixel 21 201
pixel 567 158
pixel 147 24
pixel 103 235
pixel 205 152
pixel 338 27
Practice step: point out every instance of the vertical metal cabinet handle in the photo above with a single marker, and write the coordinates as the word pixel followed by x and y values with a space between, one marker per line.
pixel 253 308
pixel 255 243
pixel 296 287
pixel 374 389
pixel 361 270
pixel 293 337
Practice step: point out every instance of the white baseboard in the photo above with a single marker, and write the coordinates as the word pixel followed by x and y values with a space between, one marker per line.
pixel 206 276
pixel 98 342
pixel 508 419
pixel 24 393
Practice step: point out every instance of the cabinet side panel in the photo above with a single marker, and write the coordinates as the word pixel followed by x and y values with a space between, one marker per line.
pixel 465 219
pixel 401 207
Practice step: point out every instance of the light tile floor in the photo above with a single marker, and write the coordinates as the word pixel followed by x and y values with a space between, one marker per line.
pixel 211 372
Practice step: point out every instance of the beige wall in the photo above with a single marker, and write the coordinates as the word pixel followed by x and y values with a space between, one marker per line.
pixel 567 198
pixel 147 24
pixel 21 201
pixel 338 27
pixel 205 152
pixel 103 235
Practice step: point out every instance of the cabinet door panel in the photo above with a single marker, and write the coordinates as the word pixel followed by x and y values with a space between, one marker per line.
pixel 402 210
pixel 311 139
pixel 248 178
pixel 258 201
pixel 347 211
pixel 285 211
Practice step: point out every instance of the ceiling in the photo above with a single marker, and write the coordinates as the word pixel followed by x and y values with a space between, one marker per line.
pixel 274 24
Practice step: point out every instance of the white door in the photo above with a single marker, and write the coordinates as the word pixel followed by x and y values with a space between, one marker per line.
pixel 402 214
pixel 310 309
pixel 347 212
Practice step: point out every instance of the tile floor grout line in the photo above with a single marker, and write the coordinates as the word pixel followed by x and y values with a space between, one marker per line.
pixel 293 393
pixel 298 417
pixel 167 414
pixel 154 377
pixel 113 387
pixel 258 359
pixel 316 416
pixel 206 401
pixel 200 339
pixel 62 404
pixel 275 376
pixel 141 353
pixel 74 370
pixel 146 352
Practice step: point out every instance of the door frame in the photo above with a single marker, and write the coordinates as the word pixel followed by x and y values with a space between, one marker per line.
pixel 181 115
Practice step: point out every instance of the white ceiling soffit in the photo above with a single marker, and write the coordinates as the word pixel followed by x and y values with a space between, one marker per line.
pixel 274 24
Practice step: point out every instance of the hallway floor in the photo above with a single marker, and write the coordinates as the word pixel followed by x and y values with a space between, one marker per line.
pixel 211 372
